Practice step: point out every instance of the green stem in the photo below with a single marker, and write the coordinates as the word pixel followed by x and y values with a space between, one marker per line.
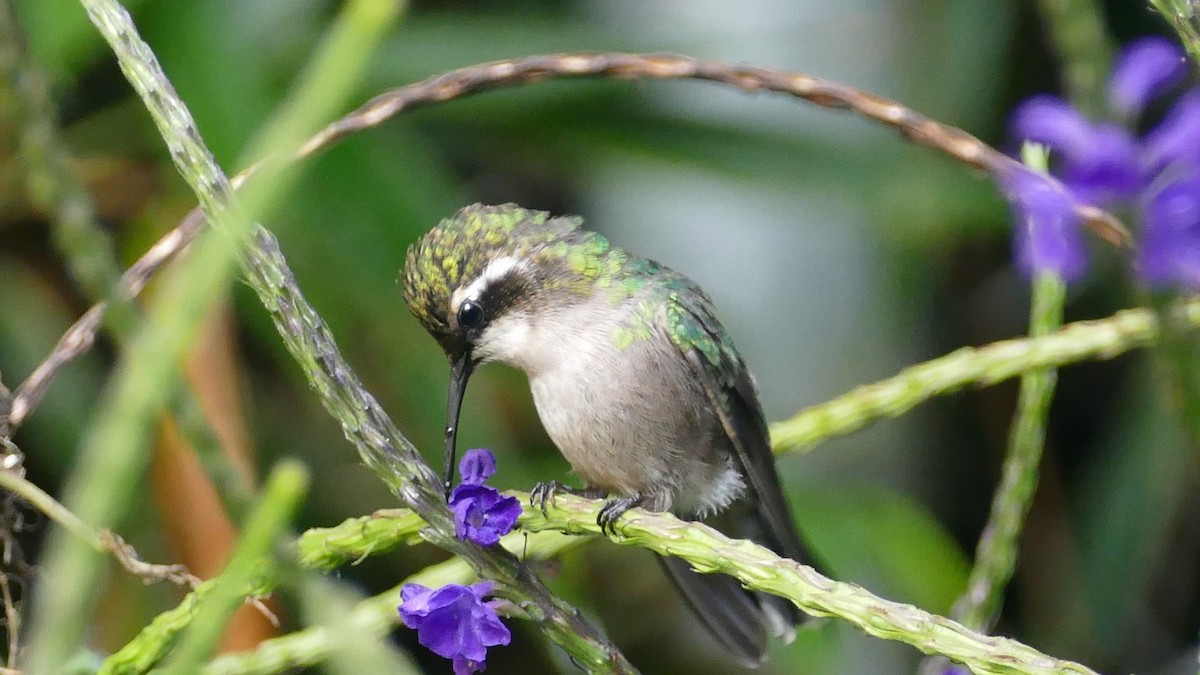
pixel 974 366
pixel 375 617
pixel 284 489
pixel 996 554
pixel 329 605
pixel 381 446
pixel 760 569
pixel 707 550
pixel 87 248
pixel 349 542
pixel 357 538
pixel 1077 33
pixel 52 187
pixel 1180 358
pixel 1182 15
pixel 43 502
pixel 113 453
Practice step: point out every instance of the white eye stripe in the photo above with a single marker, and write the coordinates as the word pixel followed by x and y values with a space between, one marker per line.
pixel 496 269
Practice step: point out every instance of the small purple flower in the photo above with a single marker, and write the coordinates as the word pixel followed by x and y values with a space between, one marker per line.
pixel 1146 69
pixel 481 514
pixel 1105 164
pixel 454 622
pixel 1170 251
pixel 1048 235
pixel 477 466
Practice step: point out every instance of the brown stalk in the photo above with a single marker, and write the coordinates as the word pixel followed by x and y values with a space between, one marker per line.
pixel 913 126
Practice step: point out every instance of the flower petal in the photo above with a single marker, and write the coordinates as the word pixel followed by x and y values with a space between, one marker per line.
pixel 1170 252
pixel 1146 68
pixel 465 666
pixel 1048 235
pixel 482 514
pixel 1051 121
pixel 477 466
pixel 414 603
pixel 455 622
pixel 1104 168
pixel 1176 140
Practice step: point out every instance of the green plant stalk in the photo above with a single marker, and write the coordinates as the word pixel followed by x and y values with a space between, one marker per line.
pixel 356 538
pixel 760 569
pixel 328 604
pixel 1179 356
pixel 234 488
pixel 160 635
pixel 973 366
pixel 50 183
pixel 380 444
pixel 1084 48
pixel 43 502
pixel 707 549
pixel 394 459
pixel 113 453
pixel 1182 16
pixel 996 553
pixel 88 249
pixel 285 488
pixel 376 616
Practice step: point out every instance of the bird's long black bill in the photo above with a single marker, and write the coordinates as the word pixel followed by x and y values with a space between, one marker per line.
pixel 460 372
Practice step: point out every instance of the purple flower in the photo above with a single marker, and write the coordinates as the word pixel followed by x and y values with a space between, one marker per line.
pixel 1170 252
pixel 481 514
pixel 1106 164
pixel 1048 236
pixel 454 622
pixel 1146 69
pixel 477 466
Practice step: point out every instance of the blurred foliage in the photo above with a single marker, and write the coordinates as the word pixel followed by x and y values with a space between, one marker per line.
pixel 1108 569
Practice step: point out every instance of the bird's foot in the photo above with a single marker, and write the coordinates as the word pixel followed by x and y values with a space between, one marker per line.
pixel 613 509
pixel 544 493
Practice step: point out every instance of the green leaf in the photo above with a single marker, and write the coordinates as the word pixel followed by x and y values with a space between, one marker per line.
pixel 883 541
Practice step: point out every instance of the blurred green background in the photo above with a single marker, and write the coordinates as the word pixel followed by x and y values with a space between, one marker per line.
pixel 836 253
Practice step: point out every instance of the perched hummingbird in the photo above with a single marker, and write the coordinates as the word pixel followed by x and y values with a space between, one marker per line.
pixel 633 377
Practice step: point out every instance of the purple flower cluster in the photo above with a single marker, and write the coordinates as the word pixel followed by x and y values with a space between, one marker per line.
pixel 1156 175
pixel 454 622
pixel 481 514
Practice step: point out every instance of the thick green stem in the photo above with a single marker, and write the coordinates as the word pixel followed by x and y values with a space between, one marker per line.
pixel 974 366
pixel 380 444
pixel 760 569
pixel 281 496
pixel 113 453
pixel 707 550
pixel 996 554
pixel 1078 36
pixel 375 617
pixel 1185 19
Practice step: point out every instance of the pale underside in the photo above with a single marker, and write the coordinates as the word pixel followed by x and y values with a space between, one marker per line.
pixel 625 412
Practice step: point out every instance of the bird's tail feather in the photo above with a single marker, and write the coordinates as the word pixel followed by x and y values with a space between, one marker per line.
pixel 727 610
pixel 742 620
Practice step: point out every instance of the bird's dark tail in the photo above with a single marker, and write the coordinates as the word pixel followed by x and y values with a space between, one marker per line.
pixel 744 621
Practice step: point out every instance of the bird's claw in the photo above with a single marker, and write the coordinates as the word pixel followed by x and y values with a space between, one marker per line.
pixel 543 494
pixel 612 511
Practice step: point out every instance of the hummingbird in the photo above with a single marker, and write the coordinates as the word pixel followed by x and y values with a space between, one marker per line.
pixel 633 377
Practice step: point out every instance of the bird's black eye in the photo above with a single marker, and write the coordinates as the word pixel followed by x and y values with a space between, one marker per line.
pixel 470 315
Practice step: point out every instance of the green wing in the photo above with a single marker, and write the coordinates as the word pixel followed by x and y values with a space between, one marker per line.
pixel 731 392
